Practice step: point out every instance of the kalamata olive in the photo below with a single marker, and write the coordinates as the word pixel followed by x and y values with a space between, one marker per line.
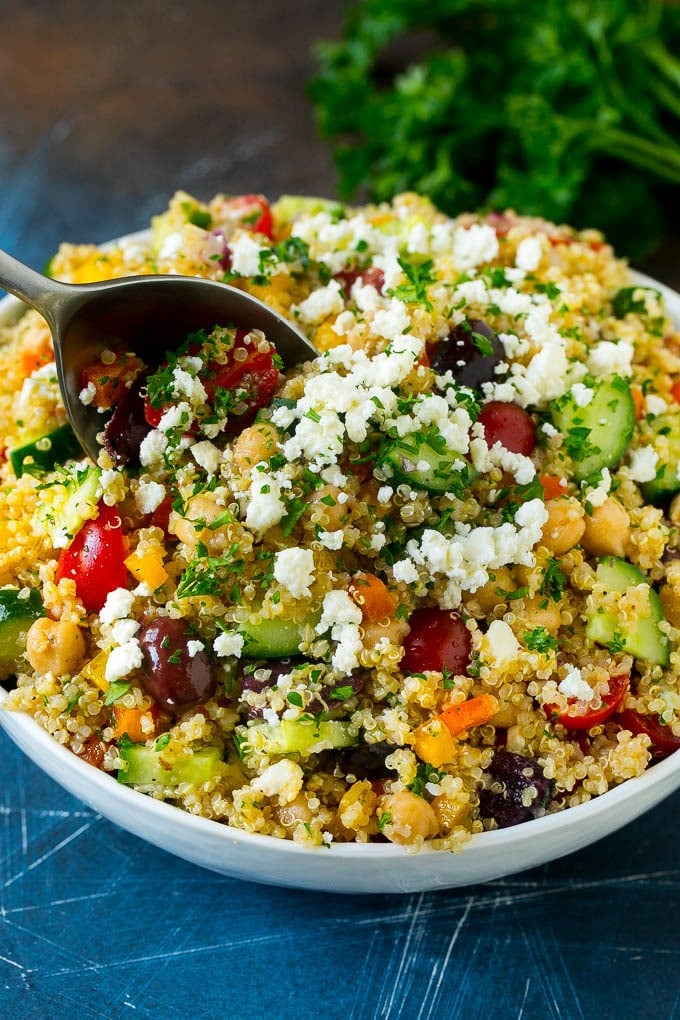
pixel 173 676
pixel 438 640
pixel 509 425
pixel 518 790
pixel 367 761
pixel 261 675
pixel 127 427
pixel 471 352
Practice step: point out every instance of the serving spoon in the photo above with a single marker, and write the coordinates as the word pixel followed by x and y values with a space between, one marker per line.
pixel 145 315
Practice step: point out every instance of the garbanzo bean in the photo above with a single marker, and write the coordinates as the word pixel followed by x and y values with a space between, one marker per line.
pixel 193 527
pixel 541 612
pixel 487 596
pixel 406 818
pixel 670 601
pixel 607 529
pixel 328 511
pixel 565 525
pixel 255 444
pixel 55 646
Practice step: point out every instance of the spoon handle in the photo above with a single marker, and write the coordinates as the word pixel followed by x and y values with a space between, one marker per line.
pixel 29 285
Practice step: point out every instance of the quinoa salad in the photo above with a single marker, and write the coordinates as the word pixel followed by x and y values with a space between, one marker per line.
pixel 423 586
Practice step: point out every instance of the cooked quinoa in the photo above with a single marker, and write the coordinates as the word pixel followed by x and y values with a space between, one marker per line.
pixel 430 588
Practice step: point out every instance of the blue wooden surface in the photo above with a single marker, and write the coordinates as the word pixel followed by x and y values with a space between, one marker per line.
pixel 106 109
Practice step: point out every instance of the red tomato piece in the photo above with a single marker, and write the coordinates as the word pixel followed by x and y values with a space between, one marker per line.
pixel 246 369
pixel 253 213
pixel 508 425
pixel 601 710
pixel 438 640
pixel 664 741
pixel 95 559
pixel 160 518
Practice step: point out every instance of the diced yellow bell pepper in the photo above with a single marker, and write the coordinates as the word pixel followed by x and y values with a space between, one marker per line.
pixel 95 669
pixel 147 568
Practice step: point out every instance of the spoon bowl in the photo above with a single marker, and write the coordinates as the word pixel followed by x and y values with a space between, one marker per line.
pixel 145 315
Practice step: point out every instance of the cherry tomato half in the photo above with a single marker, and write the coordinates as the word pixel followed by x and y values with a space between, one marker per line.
pixel 664 741
pixel 508 425
pixel 371 276
pixel 438 640
pixel 95 559
pixel 601 710
pixel 246 369
pixel 253 213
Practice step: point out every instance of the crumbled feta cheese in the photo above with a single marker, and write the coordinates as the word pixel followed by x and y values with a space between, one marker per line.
pixel 118 605
pixel 529 254
pixel 123 631
pixel 406 571
pixel 574 686
pixel 194 647
pixel 227 644
pixel 331 539
pixel 655 404
pixel 152 448
pixel 283 779
pixel 392 321
pixel 207 456
pixel 321 303
pixel 599 493
pixel 582 394
pixel 608 358
pixel 474 245
pixel 294 570
pixel 385 493
pixel 187 385
pixel 245 255
pixel 177 415
pixel 123 660
pixel 500 644
pixel 643 464
pixel 87 394
pixel 265 507
pixel 149 496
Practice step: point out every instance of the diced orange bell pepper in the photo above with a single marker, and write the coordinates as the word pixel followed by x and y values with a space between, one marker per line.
pixel 639 401
pixel 433 743
pixel 553 486
pixel 129 720
pixel 466 714
pixel 675 392
pixel 373 597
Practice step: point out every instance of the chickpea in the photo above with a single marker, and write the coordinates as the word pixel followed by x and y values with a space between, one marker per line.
pixel 607 529
pixel 394 630
pixel 541 612
pixel 255 444
pixel 487 596
pixel 565 525
pixel 199 509
pixel 409 818
pixel 670 602
pixel 55 646
pixel 327 509
pixel 293 814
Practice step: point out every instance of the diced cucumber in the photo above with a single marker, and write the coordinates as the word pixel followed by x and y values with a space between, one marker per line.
pixel 424 461
pixel 597 435
pixel 43 453
pixel 17 613
pixel 289 208
pixel 643 639
pixel 296 736
pixel 66 506
pixel 666 482
pixel 145 766
pixel 274 639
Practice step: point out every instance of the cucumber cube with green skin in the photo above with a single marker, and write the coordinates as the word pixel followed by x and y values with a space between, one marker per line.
pixel 289 208
pixel 598 434
pixel 44 453
pixel 643 639
pixel 275 639
pixel 424 461
pixel 666 482
pixel 17 613
pixel 299 736
pixel 144 766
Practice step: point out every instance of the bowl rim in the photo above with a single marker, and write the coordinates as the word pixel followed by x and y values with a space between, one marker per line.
pixel 26 733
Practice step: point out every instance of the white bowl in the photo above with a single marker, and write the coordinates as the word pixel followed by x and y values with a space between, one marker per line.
pixel 348 868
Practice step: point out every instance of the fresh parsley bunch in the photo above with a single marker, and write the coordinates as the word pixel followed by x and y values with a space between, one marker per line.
pixel 567 109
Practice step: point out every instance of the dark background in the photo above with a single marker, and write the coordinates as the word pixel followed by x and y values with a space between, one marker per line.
pixel 106 109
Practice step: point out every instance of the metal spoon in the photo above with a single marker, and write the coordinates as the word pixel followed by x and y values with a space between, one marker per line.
pixel 146 315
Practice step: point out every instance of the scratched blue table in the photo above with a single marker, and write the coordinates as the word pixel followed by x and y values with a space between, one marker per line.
pixel 106 110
